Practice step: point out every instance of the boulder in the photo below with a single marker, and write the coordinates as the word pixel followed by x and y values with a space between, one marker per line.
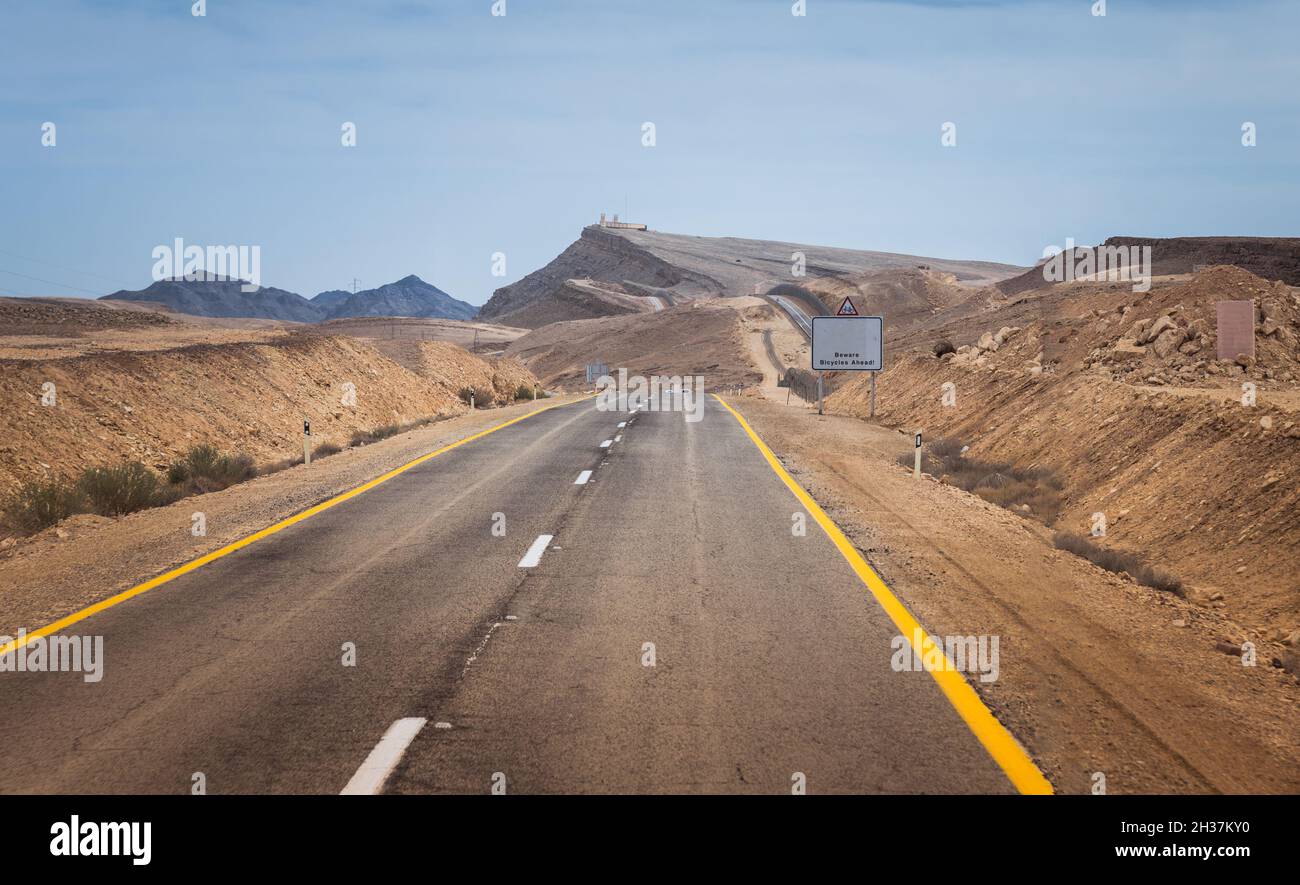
pixel 1158 328
pixel 1167 342
pixel 1138 330
pixel 1126 349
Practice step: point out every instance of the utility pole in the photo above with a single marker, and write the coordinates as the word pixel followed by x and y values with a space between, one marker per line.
pixel 354 285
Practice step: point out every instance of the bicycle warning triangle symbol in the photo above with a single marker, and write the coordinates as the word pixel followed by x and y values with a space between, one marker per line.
pixel 847 309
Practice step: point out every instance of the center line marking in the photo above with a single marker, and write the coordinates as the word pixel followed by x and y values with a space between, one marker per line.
pixel 618 438
pixel 534 554
pixel 370 777
pixel 606 444
pixel 582 478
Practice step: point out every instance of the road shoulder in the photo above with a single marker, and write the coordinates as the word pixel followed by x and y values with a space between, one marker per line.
pixel 1099 675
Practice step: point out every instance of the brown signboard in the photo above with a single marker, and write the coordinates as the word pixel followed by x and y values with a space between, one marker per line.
pixel 1236 329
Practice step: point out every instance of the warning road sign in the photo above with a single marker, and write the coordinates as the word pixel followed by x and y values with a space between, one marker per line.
pixel 847 309
pixel 848 344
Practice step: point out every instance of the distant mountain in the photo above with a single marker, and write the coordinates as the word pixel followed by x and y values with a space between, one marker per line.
pixel 224 298
pixel 327 301
pixel 408 297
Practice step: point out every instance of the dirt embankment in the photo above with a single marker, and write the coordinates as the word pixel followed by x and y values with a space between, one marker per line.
pixel 1191 478
pixel 901 295
pixel 702 337
pixel 248 397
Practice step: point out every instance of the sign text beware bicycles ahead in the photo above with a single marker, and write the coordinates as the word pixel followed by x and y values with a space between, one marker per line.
pixel 848 344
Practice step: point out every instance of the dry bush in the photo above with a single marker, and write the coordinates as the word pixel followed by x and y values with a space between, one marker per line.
pixel 205 468
pixel 39 505
pixel 116 491
pixel 1118 561
pixel 998 482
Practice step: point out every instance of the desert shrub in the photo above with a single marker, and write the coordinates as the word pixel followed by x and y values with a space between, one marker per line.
pixel 374 434
pixel 277 466
pixel 325 449
pixel 944 347
pixel 1118 561
pixel 946 448
pixel 205 468
pixel 997 482
pixel 523 391
pixel 39 505
pixel 115 491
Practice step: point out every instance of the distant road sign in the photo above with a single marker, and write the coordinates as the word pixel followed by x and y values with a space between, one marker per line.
pixel 848 344
pixel 847 309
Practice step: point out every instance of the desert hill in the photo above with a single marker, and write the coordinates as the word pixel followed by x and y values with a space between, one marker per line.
pixel 1273 258
pixel 673 268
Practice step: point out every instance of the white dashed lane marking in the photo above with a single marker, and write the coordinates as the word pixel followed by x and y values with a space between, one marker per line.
pixel 370 777
pixel 606 444
pixel 534 554
pixel 582 478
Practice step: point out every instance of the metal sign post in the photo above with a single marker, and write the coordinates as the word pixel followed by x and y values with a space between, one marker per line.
pixel 819 392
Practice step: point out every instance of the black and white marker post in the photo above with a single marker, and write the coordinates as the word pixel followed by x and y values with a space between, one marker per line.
pixel 306 441
pixel 916 469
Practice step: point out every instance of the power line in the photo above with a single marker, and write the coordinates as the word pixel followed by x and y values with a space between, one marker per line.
pixel 49 282
pixel 84 273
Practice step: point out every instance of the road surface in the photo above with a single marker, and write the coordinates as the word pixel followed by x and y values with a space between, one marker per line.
pixel 521 661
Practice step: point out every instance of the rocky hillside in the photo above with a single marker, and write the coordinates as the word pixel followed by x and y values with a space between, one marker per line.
pixel 244 397
pixel 1273 258
pixel 675 268
pixel 1138 420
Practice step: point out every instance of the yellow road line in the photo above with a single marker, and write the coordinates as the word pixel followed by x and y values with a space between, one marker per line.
pixel 1000 744
pixel 257 536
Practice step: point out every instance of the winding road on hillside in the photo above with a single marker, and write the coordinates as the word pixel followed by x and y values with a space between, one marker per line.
pixel 645 618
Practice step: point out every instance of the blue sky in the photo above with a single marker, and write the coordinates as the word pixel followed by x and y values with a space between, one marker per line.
pixel 478 134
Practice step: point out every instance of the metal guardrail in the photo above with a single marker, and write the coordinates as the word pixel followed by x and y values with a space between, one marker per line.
pixel 800 318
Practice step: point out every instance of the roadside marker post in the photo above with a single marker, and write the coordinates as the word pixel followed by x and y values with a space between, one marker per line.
pixel 306 442
pixel 916 469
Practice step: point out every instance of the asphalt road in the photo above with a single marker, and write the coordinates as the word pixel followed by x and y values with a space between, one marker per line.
pixel 770 660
